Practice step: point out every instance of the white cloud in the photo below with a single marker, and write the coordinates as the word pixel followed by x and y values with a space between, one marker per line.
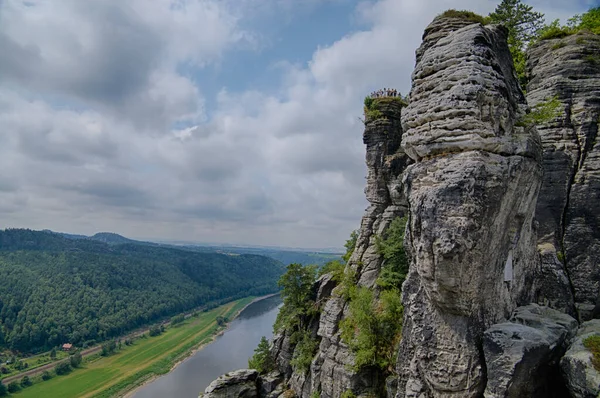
pixel 103 127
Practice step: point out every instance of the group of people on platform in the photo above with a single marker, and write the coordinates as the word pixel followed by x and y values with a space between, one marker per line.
pixel 385 92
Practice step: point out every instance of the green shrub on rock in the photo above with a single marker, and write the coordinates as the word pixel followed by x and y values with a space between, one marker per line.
pixel 544 112
pixel 592 343
pixel 373 326
pixel 305 350
pixel 262 360
pixel 466 15
pixel 391 247
pixel 348 394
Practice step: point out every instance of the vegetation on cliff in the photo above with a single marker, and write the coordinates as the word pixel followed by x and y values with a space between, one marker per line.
pixel 372 108
pixel 544 112
pixel 587 22
pixel 299 308
pixel 592 343
pixel 524 25
pixel 374 325
pixel 465 15
pixel 297 295
pixel 262 360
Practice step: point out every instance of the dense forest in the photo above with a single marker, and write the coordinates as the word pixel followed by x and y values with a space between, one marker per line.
pixel 55 290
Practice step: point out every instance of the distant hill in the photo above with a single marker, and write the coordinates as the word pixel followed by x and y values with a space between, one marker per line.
pixel 112 238
pixel 106 237
pixel 56 289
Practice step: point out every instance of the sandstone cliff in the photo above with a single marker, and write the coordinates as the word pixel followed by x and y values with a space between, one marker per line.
pixel 568 209
pixel 495 274
pixel 472 195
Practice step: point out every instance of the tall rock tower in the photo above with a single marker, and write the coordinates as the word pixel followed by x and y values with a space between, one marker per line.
pixel 471 197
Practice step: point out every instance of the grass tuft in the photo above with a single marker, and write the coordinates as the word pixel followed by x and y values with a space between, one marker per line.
pixel 592 343
pixel 464 14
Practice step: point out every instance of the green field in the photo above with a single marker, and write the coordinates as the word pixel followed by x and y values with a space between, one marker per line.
pixel 107 376
pixel 35 361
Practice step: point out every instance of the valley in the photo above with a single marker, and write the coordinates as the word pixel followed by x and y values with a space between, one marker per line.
pixel 145 358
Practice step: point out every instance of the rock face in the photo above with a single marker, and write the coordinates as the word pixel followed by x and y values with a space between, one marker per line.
pixel 522 355
pixel 471 195
pixel 569 204
pixel 582 379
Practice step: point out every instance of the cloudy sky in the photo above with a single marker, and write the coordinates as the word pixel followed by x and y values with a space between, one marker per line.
pixel 200 120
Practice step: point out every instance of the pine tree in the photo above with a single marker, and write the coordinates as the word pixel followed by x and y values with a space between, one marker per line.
pixel 523 25
pixel 261 360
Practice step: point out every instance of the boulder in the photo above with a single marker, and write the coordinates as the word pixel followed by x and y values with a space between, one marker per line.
pixel 582 378
pixel 239 384
pixel 269 383
pixel 522 355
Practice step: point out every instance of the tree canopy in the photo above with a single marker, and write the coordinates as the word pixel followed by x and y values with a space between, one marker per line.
pixel 524 24
pixel 297 294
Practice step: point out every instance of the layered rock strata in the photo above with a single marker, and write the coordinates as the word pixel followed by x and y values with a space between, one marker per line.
pixel 471 195
pixel 569 204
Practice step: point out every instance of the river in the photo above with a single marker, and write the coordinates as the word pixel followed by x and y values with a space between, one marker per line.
pixel 228 352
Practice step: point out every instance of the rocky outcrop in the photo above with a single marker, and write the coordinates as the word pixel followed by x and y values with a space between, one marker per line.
pixel 472 195
pixel 331 371
pixel 582 378
pixel 239 384
pixel 246 383
pixel 522 355
pixel 568 209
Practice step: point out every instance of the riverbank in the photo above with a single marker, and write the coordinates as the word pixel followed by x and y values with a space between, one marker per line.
pixel 134 389
pixel 49 366
pixel 147 357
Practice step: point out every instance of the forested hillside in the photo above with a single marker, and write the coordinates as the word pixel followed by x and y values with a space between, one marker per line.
pixel 55 290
